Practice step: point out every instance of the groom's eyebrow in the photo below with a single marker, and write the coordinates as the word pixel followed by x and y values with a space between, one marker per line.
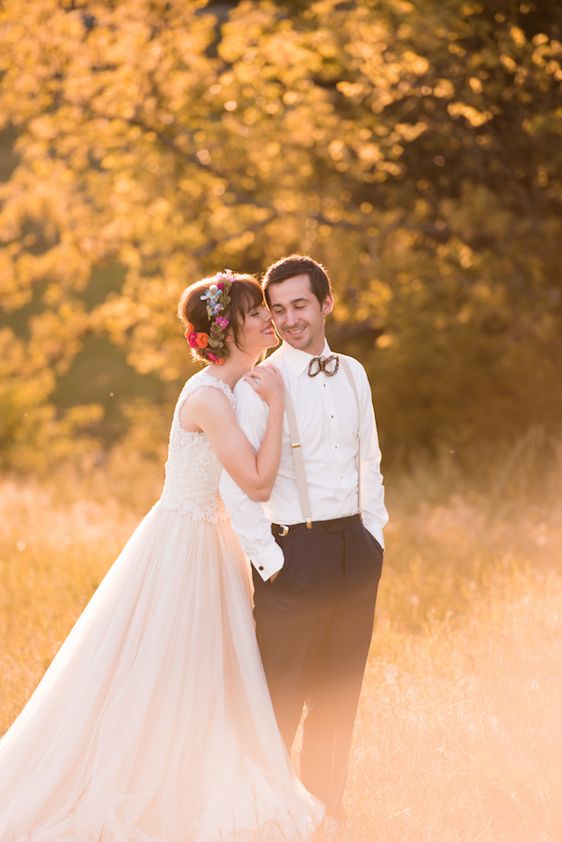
pixel 293 301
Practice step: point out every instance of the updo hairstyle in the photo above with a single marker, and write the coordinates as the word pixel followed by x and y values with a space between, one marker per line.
pixel 245 293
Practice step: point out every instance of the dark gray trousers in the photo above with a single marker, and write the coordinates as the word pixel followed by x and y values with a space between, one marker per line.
pixel 314 626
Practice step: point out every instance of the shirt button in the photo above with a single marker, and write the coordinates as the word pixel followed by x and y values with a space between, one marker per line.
pixel 260 567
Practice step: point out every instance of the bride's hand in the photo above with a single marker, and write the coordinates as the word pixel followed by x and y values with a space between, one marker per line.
pixel 268 382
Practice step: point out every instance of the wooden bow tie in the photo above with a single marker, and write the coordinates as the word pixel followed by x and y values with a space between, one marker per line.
pixel 329 365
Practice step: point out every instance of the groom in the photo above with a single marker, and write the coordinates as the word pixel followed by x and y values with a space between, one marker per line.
pixel 317 545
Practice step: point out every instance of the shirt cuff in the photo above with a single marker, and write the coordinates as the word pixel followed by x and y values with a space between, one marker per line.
pixel 376 531
pixel 269 561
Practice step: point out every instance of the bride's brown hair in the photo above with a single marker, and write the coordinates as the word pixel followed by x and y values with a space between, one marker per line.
pixel 244 292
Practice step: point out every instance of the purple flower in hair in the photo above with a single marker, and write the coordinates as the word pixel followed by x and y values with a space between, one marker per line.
pixel 226 275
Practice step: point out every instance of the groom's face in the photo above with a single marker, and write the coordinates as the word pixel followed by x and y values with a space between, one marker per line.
pixel 298 315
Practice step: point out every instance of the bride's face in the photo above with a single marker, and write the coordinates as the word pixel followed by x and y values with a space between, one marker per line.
pixel 257 333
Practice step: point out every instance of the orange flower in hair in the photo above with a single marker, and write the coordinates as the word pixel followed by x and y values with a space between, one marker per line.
pixel 202 340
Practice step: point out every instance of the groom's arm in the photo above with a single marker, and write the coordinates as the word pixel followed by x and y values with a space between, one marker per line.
pixel 373 509
pixel 248 517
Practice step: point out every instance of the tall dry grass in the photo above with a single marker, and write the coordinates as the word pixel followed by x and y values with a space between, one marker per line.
pixel 458 734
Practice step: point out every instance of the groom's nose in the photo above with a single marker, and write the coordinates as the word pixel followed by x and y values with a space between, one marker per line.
pixel 291 318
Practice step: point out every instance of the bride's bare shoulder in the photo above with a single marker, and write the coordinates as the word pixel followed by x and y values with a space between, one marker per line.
pixel 208 395
pixel 204 403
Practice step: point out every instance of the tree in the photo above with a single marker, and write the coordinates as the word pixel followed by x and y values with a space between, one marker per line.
pixel 410 147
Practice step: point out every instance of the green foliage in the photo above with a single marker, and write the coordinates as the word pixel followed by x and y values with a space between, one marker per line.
pixel 411 147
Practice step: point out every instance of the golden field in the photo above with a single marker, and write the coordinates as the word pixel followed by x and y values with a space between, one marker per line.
pixel 458 736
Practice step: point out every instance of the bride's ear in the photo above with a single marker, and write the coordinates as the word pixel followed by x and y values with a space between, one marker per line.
pixel 229 338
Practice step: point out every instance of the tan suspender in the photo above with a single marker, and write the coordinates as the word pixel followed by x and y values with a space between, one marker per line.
pixel 298 460
pixel 296 449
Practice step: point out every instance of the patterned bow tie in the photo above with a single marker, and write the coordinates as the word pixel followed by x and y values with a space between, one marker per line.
pixel 329 365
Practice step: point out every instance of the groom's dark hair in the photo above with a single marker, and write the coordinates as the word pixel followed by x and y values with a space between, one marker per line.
pixel 298 264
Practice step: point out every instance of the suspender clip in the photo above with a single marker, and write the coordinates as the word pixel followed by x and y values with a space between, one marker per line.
pixel 308 523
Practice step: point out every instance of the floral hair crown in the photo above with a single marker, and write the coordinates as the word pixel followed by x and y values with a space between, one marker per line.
pixel 217 298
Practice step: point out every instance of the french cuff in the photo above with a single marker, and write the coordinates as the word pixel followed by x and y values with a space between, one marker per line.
pixel 269 561
pixel 376 531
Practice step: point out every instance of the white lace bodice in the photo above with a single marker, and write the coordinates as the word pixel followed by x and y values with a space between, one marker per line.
pixel 192 469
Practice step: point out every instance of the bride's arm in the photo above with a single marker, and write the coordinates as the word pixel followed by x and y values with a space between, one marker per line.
pixel 254 472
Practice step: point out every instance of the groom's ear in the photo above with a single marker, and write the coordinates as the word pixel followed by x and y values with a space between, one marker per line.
pixel 327 305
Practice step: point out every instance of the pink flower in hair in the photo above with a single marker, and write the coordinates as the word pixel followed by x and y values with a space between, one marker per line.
pixel 222 322
pixel 191 337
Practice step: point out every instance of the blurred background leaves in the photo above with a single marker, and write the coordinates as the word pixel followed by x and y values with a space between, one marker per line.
pixel 413 148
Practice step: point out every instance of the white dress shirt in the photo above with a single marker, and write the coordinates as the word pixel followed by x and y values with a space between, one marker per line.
pixel 326 411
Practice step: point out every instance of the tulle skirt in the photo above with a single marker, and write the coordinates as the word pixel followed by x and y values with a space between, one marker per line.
pixel 153 723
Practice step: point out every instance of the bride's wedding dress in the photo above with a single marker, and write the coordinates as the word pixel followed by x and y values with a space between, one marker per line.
pixel 153 723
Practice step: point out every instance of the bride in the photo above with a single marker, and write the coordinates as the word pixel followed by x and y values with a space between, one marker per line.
pixel 153 723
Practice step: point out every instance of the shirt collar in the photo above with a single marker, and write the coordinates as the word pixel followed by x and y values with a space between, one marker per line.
pixel 298 361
